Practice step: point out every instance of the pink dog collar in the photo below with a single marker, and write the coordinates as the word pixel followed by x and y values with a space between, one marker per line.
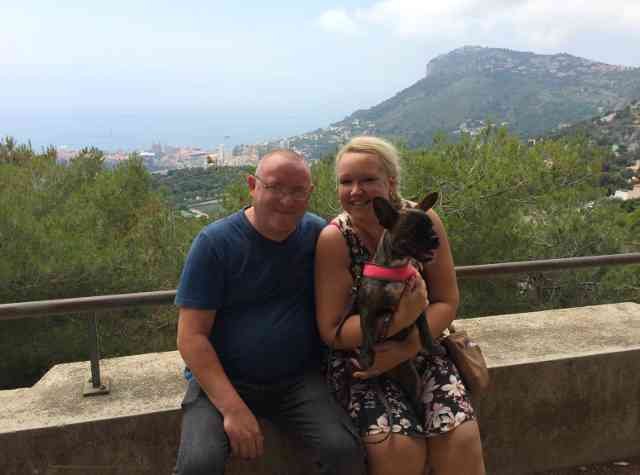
pixel 396 274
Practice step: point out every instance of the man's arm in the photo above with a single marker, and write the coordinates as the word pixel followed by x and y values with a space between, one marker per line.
pixel 240 425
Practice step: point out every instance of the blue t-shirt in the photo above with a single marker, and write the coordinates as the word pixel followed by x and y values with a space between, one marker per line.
pixel 263 295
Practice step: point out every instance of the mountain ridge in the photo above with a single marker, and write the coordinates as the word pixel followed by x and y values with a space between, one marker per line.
pixel 530 93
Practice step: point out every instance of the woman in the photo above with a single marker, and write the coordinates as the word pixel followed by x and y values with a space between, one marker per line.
pixel 448 435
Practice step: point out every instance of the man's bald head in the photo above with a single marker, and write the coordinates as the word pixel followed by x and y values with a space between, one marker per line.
pixel 279 194
pixel 280 156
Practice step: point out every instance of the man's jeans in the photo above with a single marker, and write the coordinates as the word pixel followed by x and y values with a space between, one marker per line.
pixel 302 405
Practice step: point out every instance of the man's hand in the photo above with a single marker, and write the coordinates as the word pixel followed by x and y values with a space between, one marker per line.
pixel 389 355
pixel 412 303
pixel 244 433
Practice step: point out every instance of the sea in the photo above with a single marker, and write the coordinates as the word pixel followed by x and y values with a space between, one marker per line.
pixel 128 130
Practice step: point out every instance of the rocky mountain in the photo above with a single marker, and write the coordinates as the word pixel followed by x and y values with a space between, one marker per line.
pixel 531 94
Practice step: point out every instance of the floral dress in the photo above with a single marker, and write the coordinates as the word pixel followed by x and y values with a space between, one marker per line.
pixel 446 401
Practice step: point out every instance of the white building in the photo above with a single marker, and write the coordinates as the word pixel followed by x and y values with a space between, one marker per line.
pixel 221 158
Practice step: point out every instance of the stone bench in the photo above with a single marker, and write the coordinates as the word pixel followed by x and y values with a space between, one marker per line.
pixel 566 387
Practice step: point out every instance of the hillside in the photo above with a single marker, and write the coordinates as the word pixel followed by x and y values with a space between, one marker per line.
pixel 529 93
pixel 617 130
pixel 185 187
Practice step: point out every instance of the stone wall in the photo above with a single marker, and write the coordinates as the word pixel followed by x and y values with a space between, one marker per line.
pixel 565 392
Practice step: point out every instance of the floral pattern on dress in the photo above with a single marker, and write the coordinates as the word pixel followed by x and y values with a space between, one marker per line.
pixel 446 401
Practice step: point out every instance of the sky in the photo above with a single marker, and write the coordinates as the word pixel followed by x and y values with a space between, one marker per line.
pixel 178 71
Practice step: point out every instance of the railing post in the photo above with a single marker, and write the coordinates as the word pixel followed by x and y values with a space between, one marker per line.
pixel 95 385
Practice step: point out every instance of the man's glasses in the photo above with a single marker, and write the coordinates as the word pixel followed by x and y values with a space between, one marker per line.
pixel 298 193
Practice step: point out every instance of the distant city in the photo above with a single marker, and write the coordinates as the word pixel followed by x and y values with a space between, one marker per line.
pixel 161 158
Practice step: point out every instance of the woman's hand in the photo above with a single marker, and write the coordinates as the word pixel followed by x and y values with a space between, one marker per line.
pixel 413 302
pixel 390 354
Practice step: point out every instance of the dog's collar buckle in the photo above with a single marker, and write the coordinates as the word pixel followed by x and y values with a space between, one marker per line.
pixel 393 274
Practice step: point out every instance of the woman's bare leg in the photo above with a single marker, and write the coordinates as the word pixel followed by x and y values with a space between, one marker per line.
pixel 458 452
pixel 398 454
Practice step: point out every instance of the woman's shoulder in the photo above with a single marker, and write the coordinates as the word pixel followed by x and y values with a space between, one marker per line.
pixel 339 234
pixel 332 244
pixel 341 222
pixel 335 229
pixel 340 225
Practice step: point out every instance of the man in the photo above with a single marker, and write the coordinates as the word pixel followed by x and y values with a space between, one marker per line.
pixel 247 331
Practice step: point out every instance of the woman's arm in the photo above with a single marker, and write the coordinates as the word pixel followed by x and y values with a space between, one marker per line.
pixel 390 354
pixel 332 290
pixel 440 275
pixel 333 284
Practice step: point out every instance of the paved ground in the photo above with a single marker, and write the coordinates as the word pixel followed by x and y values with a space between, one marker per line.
pixel 623 467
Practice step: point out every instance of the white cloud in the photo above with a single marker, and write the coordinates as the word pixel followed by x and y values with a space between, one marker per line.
pixel 535 24
pixel 338 21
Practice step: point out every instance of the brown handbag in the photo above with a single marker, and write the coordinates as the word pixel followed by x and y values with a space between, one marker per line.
pixel 468 358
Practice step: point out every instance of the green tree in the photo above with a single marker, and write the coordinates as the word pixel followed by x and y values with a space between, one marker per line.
pixel 80 230
pixel 324 199
pixel 504 201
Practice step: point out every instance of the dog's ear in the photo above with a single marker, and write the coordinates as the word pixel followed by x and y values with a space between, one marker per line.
pixel 387 215
pixel 428 201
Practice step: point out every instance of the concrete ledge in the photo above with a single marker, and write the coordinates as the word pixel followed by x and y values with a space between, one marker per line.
pixel 52 429
pixel 566 392
pixel 566 387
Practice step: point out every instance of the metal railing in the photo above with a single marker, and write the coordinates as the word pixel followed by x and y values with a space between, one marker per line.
pixel 90 306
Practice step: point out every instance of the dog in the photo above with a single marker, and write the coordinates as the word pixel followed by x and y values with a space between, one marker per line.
pixel 408 237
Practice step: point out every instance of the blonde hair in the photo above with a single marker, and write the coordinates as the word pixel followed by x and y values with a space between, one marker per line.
pixel 386 153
